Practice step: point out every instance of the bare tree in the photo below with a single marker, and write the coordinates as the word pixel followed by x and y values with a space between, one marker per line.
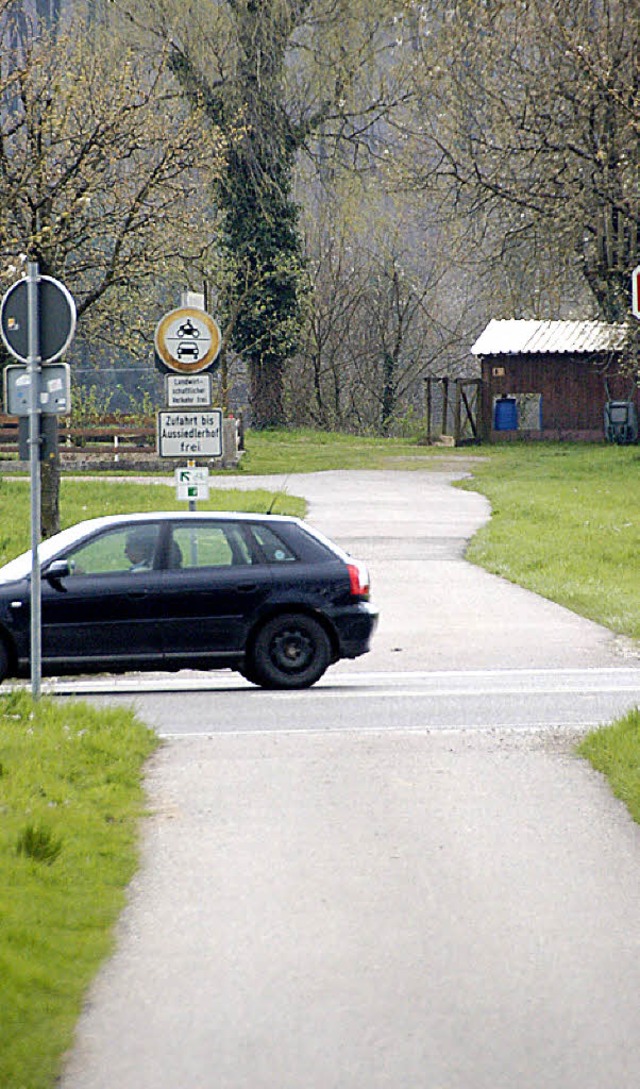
pixel 530 118
pixel 380 313
pixel 100 174
pixel 279 77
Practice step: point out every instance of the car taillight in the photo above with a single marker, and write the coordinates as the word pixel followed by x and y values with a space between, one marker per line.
pixel 358 580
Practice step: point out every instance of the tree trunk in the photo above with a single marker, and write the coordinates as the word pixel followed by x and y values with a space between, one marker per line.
pixel 388 393
pixel 50 481
pixel 267 408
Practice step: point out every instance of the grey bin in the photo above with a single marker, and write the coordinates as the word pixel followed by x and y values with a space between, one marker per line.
pixel 621 422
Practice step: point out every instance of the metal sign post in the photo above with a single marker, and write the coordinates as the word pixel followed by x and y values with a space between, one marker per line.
pixel 37 323
pixel 33 371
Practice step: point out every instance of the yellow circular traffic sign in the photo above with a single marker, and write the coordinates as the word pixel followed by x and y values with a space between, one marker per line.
pixel 187 340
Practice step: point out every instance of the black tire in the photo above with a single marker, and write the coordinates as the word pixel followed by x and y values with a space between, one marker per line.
pixel 246 671
pixel 290 651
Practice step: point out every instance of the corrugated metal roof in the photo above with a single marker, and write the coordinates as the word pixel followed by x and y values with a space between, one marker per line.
pixel 511 337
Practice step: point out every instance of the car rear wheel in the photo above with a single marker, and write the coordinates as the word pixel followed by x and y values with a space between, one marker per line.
pixel 290 651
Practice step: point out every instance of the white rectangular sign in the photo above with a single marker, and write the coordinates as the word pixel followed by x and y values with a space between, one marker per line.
pixel 192 491
pixel 192 483
pixel 188 390
pixel 635 292
pixel 54 384
pixel 197 474
pixel 190 434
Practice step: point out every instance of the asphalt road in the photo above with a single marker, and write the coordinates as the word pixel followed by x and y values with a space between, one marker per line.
pixel 401 878
pixel 484 699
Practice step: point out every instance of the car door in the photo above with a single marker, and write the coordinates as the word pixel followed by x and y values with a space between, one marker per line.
pixel 107 610
pixel 214 589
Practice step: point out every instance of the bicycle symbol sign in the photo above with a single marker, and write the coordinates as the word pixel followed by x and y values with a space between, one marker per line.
pixel 187 340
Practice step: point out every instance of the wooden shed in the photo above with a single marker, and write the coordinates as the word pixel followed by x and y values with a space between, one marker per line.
pixel 552 379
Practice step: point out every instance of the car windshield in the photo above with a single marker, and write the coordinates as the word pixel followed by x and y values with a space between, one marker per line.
pixel 20 568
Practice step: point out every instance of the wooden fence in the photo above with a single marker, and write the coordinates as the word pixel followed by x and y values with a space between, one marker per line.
pixel 453 410
pixel 115 435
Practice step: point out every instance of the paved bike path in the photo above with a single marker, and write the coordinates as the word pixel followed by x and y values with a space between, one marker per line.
pixel 407 910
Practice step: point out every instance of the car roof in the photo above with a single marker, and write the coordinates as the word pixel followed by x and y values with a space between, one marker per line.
pixel 106 519
pixel 186 515
pixel 79 530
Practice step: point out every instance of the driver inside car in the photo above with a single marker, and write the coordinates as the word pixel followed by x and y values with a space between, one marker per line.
pixel 139 548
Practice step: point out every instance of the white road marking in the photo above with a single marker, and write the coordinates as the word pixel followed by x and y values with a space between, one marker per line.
pixel 445 728
pixel 370 685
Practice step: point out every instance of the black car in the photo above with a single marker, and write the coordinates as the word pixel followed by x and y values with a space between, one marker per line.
pixel 265 595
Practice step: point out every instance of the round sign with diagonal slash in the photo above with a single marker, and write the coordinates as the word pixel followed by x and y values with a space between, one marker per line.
pixel 187 340
pixel 56 319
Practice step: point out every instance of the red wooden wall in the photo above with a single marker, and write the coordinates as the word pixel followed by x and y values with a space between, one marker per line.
pixel 572 388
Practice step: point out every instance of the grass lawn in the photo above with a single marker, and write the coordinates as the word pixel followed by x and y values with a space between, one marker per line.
pixel 304 451
pixel 71 800
pixel 615 751
pixel 566 524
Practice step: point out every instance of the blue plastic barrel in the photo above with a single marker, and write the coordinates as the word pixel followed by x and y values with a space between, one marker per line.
pixel 505 414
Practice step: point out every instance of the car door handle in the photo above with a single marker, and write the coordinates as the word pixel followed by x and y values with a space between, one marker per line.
pixel 137 595
pixel 247 587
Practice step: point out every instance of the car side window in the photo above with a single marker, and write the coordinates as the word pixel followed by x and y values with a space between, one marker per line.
pixel 274 548
pixel 195 546
pixel 125 549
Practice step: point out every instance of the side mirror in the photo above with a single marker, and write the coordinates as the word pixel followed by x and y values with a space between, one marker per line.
pixel 58 569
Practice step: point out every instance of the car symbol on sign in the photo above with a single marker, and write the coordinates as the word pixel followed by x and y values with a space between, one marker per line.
pixel 188 348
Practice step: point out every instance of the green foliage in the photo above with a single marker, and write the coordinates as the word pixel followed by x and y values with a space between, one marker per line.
pixel 92 406
pixel 74 773
pixel 261 241
pixel 141 409
pixel 89 406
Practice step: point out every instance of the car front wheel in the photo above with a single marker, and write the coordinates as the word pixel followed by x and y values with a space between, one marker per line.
pixel 290 651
